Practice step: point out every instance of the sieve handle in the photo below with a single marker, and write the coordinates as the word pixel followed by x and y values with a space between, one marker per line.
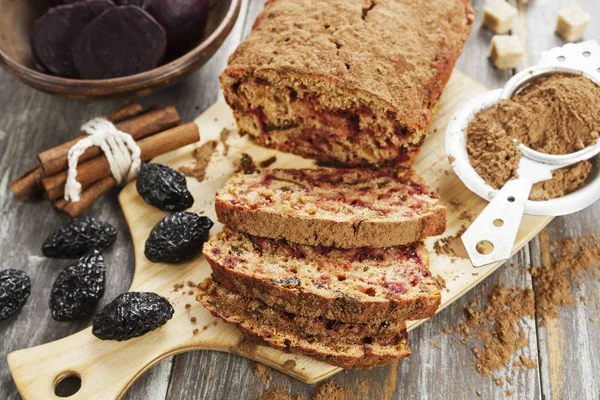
pixel 491 237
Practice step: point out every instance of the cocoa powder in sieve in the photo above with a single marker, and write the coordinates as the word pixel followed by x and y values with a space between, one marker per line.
pixel 559 114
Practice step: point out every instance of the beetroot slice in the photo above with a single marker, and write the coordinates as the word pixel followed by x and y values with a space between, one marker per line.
pixel 53 34
pixel 122 41
pixel 130 2
pixel 184 20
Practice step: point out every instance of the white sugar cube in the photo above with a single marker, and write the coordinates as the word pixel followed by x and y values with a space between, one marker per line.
pixel 506 51
pixel 572 22
pixel 498 16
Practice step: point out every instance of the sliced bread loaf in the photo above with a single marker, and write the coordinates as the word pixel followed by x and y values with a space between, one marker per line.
pixel 342 208
pixel 347 285
pixel 344 345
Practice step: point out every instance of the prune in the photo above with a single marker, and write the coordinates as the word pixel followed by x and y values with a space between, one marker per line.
pixel 131 315
pixel 163 188
pixel 78 288
pixel 78 236
pixel 177 237
pixel 14 291
pixel 183 20
pixel 122 41
pixel 53 34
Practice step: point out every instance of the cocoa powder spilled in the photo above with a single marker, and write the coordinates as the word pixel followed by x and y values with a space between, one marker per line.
pixel 555 115
pixel 262 372
pixel 278 394
pixel 566 264
pixel 202 156
pixel 331 391
pixel 495 330
pixel 451 245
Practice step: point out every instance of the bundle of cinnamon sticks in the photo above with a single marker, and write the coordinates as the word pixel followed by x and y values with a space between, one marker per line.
pixel 156 131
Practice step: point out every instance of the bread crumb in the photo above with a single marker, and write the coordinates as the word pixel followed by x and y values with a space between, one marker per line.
pixel 267 162
pixel 202 156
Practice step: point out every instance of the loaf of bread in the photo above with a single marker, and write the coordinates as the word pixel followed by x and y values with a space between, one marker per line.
pixel 346 81
pixel 346 285
pixel 343 345
pixel 343 208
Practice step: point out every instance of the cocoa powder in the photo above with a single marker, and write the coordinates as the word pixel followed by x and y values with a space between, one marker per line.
pixel 565 265
pixel 495 330
pixel 202 156
pixel 555 115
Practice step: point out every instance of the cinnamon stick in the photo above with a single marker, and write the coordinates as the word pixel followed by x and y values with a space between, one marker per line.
pixel 127 111
pixel 29 183
pixel 88 197
pixel 98 168
pixel 55 160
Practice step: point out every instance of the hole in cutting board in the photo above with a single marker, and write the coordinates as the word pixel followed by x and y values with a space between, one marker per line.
pixel 484 247
pixel 498 222
pixel 67 384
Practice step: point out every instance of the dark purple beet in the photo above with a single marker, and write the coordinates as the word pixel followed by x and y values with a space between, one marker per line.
pixel 122 41
pixel 183 20
pixel 54 32
pixel 130 2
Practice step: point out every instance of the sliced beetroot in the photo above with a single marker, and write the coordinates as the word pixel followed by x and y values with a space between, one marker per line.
pixel 122 41
pixel 130 2
pixel 53 34
pixel 184 20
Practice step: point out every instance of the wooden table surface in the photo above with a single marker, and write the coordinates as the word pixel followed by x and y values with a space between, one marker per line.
pixel 567 349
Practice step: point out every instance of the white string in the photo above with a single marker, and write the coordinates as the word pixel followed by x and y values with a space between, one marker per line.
pixel 121 151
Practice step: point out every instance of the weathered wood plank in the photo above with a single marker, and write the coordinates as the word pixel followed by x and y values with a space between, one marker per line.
pixel 34 121
pixel 568 346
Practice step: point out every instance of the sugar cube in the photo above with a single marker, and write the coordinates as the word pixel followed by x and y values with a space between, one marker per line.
pixel 498 16
pixel 572 22
pixel 506 51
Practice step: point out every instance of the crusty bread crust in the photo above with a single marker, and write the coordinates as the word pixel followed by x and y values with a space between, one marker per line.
pixel 329 233
pixel 347 351
pixel 343 208
pixel 289 294
pixel 379 65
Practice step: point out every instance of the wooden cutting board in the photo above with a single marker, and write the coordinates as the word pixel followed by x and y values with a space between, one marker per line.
pixel 108 368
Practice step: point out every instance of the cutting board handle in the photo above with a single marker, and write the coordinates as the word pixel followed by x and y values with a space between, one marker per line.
pixel 106 368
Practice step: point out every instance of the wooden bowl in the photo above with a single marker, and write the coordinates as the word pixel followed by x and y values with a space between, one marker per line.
pixel 16 20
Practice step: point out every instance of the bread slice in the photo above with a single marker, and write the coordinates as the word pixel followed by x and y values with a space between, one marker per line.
pixel 346 81
pixel 344 345
pixel 342 208
pixel 347 285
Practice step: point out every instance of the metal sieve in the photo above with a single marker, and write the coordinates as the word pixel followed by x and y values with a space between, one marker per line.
pixel 491 237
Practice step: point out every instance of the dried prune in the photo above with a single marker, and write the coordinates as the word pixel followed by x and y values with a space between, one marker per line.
pixel 53 34
pixel 14 291
pixel 183 20
pixel 78 236
pixel 163 187
pixel 78 288
pixel 122 41
pixel 177 237
pixel 131 315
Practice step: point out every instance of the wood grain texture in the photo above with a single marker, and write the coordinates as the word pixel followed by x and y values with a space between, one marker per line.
pixel 32 121
pixel 99 363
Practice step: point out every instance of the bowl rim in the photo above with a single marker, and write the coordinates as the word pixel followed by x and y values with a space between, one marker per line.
pixel 165 72
pixel 456 149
